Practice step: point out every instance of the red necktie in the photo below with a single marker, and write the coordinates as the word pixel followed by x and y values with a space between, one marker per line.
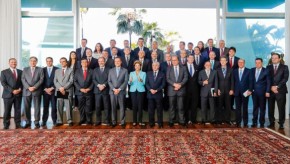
pixel 89 62
pixel 85 74
pixel 275 69
pixel 62 72
pixel 14 74
pixel 231 62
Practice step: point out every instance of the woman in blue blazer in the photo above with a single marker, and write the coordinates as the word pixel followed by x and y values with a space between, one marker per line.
pixel 137 80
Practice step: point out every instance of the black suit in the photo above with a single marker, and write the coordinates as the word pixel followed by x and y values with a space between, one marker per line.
pixel 101 96
pixel 84 99
pixel 216 65
pixel 145 65
pixel 234 64
pixel 160 55
pixel 155 100
pixel 145 49
pixel 109 63
pixel 81 55
pixel 108 49
pixel 93 63
pixel 128 65
pixel 225 84
pixel 216 50
pixel 279 79
pixel 9 84
pixel 48 83
pixel 163 68
pixel 192 94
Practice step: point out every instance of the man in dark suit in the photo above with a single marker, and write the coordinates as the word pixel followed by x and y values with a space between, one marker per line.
pixel 224 51
pixel 155 82
pixel 181 47
pixel 101 91
pixel 32 79
pixel 164 67
pixel 83 81
pixel 145 62
pixel 199 60
pixel 192 91
pixel 110 49
pixel 232 59
pixel 208 81
pixel 210 48
pixel 12 89
pixel 214 63
pixel 49 92
pixel 127 44
pixel 190 49
pixel 81 52
pixel 141 47
pixel 177 77
pixel 92 62
pixel 109 62
pixel 127 59
pixel 160 55
pixel 225 91
pixel 182 57
pixel 154 58
pixel 261 89
pixel 118 81
pixel 242 91
pixel 279 74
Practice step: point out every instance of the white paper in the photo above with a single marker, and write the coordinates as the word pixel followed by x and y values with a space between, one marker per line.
pixel 246 93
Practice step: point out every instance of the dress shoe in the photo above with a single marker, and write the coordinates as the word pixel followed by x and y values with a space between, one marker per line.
pixel 245 125
pixel 37 125
pixel 142 124
pixel 134 123
pixel 89 123
pixel 160 126
pixel 272 125
pixel 26 126
pixel 262 126
pixel 254 125
pixel 6 127
pixel 81 122
pixel 151 125
pixel 43 124
pixel 281 126
pixel 189 123
pixel 123 125
pixel 229 122
pixel 58 124
pixel 170 124
pixel 18 126
pixel 238 125
pixel 70 124
pixel 98 123
pixel 183 124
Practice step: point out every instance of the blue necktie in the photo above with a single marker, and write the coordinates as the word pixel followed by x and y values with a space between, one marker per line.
pixel 190 70
pixel 241 75
pixel 224 72
pixel 257 74
pixel 118 70
pixel 49 72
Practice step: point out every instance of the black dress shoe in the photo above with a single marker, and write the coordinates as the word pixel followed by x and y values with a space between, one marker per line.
pixel 123 125
pixel 43 124
pixel 170 124
pixel 238 125
pixel 272 125
pixel 70 124
pixel 6 127
pixel 160 126
pixel 281 126
pixel 58 124
pixel 114 124
pixel 262 126
pixel 18 126
pixel 151 125
pixel 97 123
pixel 26 126
pixel 245 125
pixel 89 123
pixel 254 125
pixel 37 125
pixel 183 124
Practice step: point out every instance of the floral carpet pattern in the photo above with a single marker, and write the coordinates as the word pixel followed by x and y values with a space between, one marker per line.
pixel 144 146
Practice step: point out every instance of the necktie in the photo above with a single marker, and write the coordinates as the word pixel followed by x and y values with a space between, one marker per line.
pixel 183 61
pixel 14 74
pixel 207 73
pixel 209 49
pixel 85 74
pixel 155 75
pixel 197 60
pixel 212 64
pixel 190 70
pixel 117 71
pixel 62 72
pixel 176 73
pixel 127 60
pixel 222 52
pixel 224 72
pixel 257 74
pixel 168 64
pixel 82 53
pixel 231 62
pixel 241 73
pixel 102 70
pixel 89 61
pixel 32 71
pixel 275 69
pixel 49 72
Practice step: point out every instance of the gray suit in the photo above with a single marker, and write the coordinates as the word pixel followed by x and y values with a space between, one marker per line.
pixel 65 81
pixel 116 82
pixel 176 96
pixel 206 95
pixel 32 81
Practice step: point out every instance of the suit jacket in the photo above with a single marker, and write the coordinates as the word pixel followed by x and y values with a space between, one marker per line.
pixel 178 52
pixel 136 85
pixel 280 78
pixel 225 83
pixel 145 66
pixel 244 84
pixel 80 82
pixel 110 63
pixel 79 53
pixel 101 78
pixel 235 64
pixel 262 85
pixel 190 52
pixel 200 65
pixel 9 83
pixel 182 79
pixel 157 84
pixel 145 49
pixel 35 81
pixel 216 65
pixel 48 81
pixel 163 67
pixel 118 82
pixel 110 54
pixel 160 55
pixel 129 66
pixel 192 85
pixel 180 61
pixel 205 90
pixel 65 81
pixel 226 52
pixel 216 50
pixel 93 64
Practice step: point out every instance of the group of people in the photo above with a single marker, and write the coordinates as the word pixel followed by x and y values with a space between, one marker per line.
pixel 212 79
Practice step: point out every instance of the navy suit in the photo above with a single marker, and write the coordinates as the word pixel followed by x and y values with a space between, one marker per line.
pixel 145 49
pixel 260 85
pixel 155 100
pixel 108 49
pixel 216 50
pixel 241 87
pixel 235 64
pixel 81 55
pixel 48 83
pixel 200 64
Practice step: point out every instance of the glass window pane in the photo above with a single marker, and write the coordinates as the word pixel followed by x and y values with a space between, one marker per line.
pixel 276 6
pixel 45 5
pixel 52 37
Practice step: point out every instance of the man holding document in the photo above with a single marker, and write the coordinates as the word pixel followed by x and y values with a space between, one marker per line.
pixel 242 92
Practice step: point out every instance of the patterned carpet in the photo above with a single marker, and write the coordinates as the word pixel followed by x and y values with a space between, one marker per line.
pixel 144 146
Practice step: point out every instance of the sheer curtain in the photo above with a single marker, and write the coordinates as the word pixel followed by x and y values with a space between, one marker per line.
pixel 10 38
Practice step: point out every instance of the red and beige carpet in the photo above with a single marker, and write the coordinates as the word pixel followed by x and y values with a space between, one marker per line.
pixel 144 146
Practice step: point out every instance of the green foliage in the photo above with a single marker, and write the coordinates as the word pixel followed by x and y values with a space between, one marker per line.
pixel 25 58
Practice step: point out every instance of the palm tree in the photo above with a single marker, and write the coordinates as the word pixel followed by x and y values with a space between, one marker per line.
pixel 129 22
pixel 150 31
pixel 169 38
pixel 278 35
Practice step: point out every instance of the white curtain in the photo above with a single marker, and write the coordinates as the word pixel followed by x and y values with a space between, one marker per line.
pixel 10 38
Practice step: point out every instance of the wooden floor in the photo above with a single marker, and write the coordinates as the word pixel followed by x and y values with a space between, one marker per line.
pixel 285 131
